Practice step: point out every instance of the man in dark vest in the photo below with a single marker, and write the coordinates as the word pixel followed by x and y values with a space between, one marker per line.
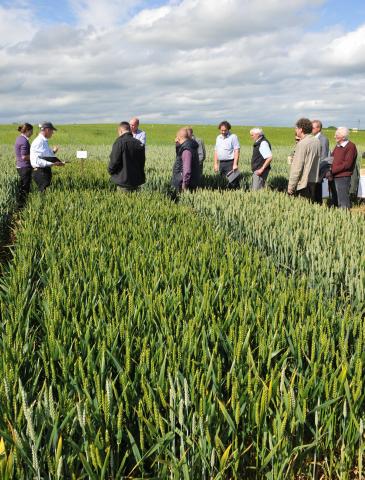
pixel 127 160
pixel 261 158
pixel 186 170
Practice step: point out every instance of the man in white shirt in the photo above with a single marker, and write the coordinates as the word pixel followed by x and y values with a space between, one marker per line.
pixel 226 152
pixel 138 134
pixel 41 155
pixel 261 158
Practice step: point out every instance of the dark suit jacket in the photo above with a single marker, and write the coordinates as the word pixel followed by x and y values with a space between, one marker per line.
pixel 325 146
pixel 127 161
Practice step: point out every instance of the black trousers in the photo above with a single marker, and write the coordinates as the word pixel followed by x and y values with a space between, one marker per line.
pixel 25 174
pixel 332 188
pixel 310 192
pixel 225 166
pixel 318 193
pixel 42 177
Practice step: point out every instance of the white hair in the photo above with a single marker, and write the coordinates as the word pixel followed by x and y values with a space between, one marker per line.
pixel 343 131
pixel 258 131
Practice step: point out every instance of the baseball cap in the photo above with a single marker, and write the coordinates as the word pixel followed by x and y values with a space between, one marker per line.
pixel 44 125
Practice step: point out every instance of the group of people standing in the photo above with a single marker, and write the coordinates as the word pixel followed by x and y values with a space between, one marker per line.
pixel 37 159
pixel 127 158
pixel 310 163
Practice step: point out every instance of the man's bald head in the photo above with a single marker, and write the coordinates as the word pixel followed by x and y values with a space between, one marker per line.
pixel 134 123
pixel 182 134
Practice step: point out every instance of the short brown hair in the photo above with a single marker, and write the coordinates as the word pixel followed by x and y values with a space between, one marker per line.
pixel 305 124
pixel 224 124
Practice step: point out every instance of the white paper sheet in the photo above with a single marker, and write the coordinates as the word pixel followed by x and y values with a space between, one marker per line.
pixel 81 154
pixel 361 190
pixel 325 189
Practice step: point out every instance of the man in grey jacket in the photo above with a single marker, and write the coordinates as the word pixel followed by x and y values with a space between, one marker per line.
pixel 305 166
pixel 323 140
pixel 201 147
pixel 325 151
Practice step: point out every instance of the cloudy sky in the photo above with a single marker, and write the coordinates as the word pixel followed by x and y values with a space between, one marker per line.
pixel 253 62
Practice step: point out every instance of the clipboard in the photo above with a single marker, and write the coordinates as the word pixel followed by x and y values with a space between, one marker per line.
pixel 233 175
pixel 51 159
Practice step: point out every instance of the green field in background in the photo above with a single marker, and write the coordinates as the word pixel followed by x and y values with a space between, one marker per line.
pixel 158 134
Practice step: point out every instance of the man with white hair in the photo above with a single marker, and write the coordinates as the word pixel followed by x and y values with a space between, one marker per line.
pixel 136 132
pixel 344 160
pixel 261 158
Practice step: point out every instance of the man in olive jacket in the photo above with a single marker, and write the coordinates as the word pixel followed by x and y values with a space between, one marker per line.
pixel 304 170
pixel 127 160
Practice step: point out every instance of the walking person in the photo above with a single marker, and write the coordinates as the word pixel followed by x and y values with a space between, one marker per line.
pixel 304 169
pixel 344 160
pixel 22 154
pixel 226 152
pixel 43 157
pixel 261 158
pixel 127 160
pixel 186 169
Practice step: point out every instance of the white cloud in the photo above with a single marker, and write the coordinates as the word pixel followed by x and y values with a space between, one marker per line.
pixel 15 25
pixel 195 61
pixel 101 13
pixel 198 23
pixel 346 52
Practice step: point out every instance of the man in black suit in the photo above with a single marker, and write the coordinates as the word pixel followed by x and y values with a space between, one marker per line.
pixel 127 160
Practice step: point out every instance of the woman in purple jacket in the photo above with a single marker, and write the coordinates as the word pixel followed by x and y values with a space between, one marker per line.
pixel 22 153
